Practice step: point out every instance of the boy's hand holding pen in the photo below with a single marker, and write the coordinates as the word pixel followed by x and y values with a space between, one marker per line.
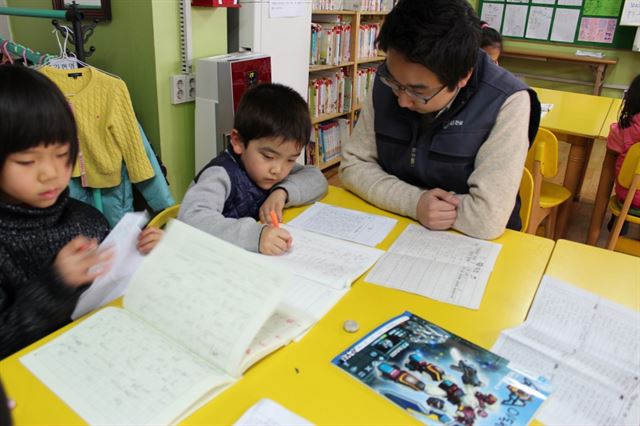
pixel 274 240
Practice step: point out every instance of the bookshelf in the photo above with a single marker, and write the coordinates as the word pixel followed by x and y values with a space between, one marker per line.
pixel 341 67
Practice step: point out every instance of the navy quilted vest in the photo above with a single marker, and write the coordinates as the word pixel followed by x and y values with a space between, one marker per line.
pixel 245 198
pixel 443 154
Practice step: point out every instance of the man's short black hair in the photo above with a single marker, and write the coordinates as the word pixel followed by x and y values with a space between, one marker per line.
pixel 442 35
pixel 273 111
pixel 33 111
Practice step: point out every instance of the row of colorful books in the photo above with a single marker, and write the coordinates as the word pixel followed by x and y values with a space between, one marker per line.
pixel 329 136
pixel 361 5
pixel 364 83
pixel 330 92
pixel 367 35
pixel 330 43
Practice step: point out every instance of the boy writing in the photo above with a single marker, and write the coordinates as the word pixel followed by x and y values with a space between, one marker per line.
pixel 257 174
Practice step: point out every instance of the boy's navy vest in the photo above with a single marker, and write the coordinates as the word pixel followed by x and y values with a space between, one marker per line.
pixel 443 154
pixel 245 198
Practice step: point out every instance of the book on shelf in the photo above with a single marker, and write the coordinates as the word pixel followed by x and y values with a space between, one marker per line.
pixel 439 377
pixel 329 136
pixel 365 76
pixel 198 312
pixel 329 92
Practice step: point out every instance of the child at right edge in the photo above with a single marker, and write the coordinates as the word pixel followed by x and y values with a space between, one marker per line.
pixel 257 175
pixel 625 133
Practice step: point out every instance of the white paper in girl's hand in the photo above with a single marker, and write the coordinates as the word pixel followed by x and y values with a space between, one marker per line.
pixel 123 238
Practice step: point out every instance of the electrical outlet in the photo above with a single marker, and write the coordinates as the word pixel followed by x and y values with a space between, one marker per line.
pixel 183 88
pixel 191 85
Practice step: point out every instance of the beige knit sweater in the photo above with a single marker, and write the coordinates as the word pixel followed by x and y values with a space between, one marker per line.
pixel 493 185
pixel 107 127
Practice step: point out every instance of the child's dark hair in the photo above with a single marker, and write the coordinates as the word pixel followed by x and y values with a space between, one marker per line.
pixel 442 35
pixel 33 111
pixel 490 36
pixel 630 103
pixel 273 110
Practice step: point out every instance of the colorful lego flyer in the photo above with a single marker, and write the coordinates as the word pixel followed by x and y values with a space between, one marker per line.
pixel 440 378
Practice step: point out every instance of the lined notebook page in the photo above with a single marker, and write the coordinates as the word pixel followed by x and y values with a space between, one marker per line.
pixel 311 297
pixel 91 368
pixel 447 267
pixel 334 263
pixel 345 224
pixel 206 293
pixel 579 341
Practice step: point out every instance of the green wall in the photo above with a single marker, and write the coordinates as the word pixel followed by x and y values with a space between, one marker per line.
pixel 142 45
pixel 622 73
pixel 176 122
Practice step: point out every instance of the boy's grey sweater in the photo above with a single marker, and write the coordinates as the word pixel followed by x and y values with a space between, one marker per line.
pixel 205 200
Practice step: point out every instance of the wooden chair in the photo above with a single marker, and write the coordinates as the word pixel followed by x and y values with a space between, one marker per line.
pixel 629 177
pixel 163 217
pixel 542 162
pixel 526 198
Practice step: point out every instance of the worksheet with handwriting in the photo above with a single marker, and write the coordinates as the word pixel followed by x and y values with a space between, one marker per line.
pixel 441 265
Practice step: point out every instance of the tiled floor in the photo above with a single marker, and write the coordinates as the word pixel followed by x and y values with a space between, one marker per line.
pixel 581 217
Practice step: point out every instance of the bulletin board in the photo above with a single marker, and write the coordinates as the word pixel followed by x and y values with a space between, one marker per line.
pixel 577 22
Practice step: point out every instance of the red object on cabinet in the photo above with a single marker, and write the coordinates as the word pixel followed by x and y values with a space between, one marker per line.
pixel 215 3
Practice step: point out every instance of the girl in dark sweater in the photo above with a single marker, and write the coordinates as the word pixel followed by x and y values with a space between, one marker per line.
pixel 48 241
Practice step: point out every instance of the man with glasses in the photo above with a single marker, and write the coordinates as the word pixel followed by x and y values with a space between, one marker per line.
pixel 444 135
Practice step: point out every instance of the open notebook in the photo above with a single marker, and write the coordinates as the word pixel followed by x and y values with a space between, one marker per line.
pixel 198 312
pixel 323 269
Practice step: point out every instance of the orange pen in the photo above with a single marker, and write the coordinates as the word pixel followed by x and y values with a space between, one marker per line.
pixel 274 219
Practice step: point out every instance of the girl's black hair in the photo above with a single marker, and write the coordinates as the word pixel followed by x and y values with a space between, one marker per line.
pixel 630 103
pixel 33 111
pixel 490 36
pixel 273 110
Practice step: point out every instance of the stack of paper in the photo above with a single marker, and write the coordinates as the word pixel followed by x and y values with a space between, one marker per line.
pixel 587 347
pixel 441 265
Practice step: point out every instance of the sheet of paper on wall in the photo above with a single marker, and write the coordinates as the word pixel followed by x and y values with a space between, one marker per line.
pixel 630 13
pixel 267 412
pixel 587 347
pixel 123 238
pixel 565 24
pixel 444 266
pixel 288 8
pixel 346 224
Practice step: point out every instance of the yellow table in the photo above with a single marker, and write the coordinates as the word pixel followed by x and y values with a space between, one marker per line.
pixel 607 177
pixel 300 375
pixel 612 275
pixel 577 119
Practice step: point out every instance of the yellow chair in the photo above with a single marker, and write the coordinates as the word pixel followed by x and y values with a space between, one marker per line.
pixel 542 162
pixel 526 198
pixel 629 177
pixel 163 217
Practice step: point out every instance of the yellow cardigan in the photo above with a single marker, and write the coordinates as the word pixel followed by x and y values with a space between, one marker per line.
pixel 107 127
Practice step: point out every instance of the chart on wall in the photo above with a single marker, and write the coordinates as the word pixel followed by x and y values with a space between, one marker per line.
pixel 581 22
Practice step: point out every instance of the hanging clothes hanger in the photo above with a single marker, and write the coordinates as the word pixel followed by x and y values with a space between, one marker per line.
pixel 68 60
pixel 6 56
pixel 63 61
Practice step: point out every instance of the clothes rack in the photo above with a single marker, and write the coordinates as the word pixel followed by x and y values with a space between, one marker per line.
pixel 20 51
pixel 80 32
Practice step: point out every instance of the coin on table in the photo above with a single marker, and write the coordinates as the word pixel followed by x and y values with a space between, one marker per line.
pixel 350 326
